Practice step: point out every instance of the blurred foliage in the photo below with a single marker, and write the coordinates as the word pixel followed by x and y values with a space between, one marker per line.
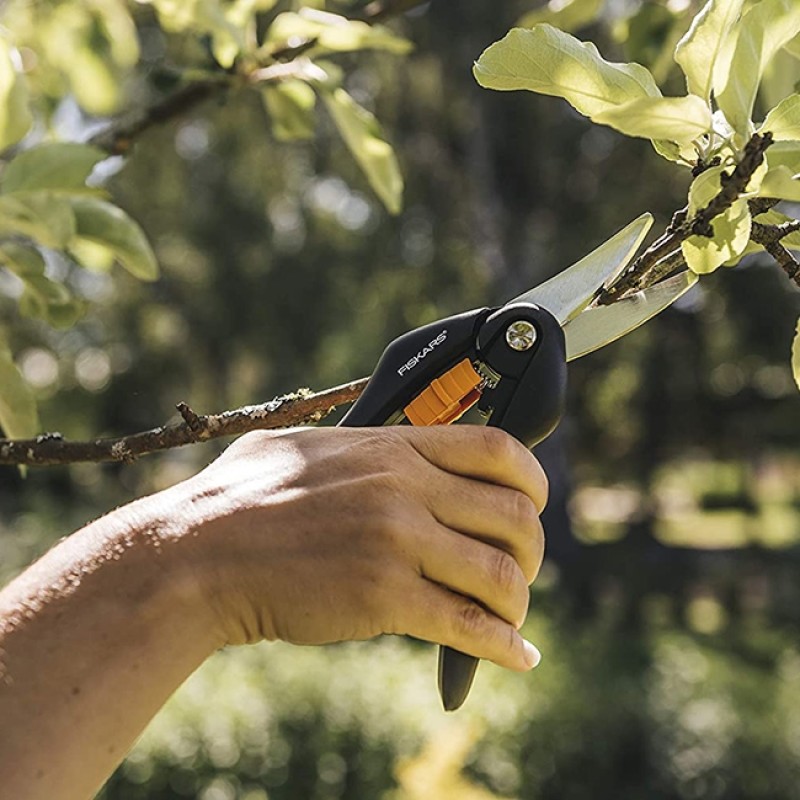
pixel 668 623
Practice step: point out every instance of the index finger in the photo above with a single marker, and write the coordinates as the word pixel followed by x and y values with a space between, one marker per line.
pixel 487 454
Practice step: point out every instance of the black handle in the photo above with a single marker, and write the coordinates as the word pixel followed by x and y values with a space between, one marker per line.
pixel 528 404
pixel 527 400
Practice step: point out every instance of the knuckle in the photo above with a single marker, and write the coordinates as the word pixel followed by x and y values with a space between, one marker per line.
pixel 525 512
pixel 470 619
pixel 506 573
pixel 498 444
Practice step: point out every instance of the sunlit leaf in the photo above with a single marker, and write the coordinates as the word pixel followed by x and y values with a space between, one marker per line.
pixel 201 16
pixel 796 356
pixel 41 215
pixel 677 119
pixel 761 32
pixel 731 235
pixel 698 51
pixel 58 165
pixel 783 121
pixel 92 44
pixel 15 116
pixel 786 154
pixel 567 16
pixel 672 151
pixel 362 134
pixel 546 60
pixel 731 228
pixel 290 106
pixel 793 47
pixel 207 17
pixel 780 182
pixel 107 225
pixel 113 18
pixel 91 255
pixel 333 32
pixel 18 416
pixel 781 78
pixel 228 42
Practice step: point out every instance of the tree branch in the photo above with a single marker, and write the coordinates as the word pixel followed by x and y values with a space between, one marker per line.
pixel 642 272
pixel 118 137
pixel 300 408
pixel 769 236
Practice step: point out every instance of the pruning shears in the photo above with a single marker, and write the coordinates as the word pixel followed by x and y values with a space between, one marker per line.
pixel 509 364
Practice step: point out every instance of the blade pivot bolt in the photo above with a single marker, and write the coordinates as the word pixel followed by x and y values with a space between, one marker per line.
pixel 521 335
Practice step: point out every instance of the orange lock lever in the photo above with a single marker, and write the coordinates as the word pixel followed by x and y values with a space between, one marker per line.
pixel 447 397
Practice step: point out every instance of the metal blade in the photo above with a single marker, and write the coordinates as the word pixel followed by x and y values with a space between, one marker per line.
pixel 565 295
pixel 598 326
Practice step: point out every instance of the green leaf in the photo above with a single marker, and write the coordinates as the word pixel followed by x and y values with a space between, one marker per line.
pixel 545 60
pixel 41 215
pixel 290 106
pixel 781 78
pixel 676 119
pixel 18 416
pixel 58 165
pixel 22 259
pixel 15 116
pixel 224 24
pixel 783 121
pixel 761 32
pixel 698 51
pixel 731 235
pixel 91 255
pixel 232 37
pixel 672 151
pixel 362 134
pixel 105 224
pixel 796 356
pixel 731 228
pixel 793 47
pixel 780 182
pixel 333 32
pixel 567 16
pixel 786 154
pixel 93 44
pixel 50 301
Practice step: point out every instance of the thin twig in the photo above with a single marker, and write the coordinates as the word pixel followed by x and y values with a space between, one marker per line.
pixel 640 274
pixel 769 236
pixel 117 139
pixel 300 408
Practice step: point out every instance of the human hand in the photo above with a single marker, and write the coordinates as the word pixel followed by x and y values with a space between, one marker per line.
pixel 314 536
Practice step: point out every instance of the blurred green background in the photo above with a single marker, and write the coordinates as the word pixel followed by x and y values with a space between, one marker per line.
pixel 668 607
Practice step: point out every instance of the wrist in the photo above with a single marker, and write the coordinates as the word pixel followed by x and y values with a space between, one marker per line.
pixel 155 542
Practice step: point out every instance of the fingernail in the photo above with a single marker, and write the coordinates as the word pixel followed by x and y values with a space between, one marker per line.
pixel 532 654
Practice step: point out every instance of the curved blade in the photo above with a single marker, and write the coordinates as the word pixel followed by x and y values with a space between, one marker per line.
pixel 600 325
pixel 565 295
